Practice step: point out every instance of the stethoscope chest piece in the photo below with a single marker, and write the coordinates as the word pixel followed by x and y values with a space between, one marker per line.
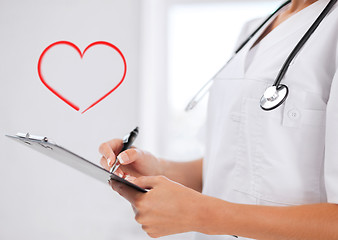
pixel 273 97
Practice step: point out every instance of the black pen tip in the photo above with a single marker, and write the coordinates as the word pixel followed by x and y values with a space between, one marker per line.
pixel 136 130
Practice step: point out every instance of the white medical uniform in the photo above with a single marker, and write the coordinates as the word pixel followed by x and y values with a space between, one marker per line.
pixel 287 156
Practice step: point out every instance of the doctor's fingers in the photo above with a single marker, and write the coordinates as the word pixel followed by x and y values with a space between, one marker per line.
pixel 110 149
pixel 104 163
pixel 128 193
pixel 134 209
pixel 117 172
pixel 130 155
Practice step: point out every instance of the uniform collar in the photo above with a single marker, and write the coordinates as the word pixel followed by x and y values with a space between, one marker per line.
pixel 286 29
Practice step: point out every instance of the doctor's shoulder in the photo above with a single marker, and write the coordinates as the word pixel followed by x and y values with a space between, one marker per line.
pixel 248 28
pixel 330 31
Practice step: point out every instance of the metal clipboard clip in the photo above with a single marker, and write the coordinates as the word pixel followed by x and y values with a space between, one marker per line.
pixel 40 140
pixel 32 137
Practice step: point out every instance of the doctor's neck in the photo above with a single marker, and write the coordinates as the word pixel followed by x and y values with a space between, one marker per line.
pixel 297 5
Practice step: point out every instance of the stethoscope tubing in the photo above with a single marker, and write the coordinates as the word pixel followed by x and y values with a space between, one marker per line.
pixel 203 90
pixel 260 27
pixel 206 87
pixel 302 42
pixel 277 83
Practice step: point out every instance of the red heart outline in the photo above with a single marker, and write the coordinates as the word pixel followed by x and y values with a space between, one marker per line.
pixel 81 55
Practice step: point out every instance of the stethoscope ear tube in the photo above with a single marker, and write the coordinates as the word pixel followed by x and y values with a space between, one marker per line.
pixel 267 102
pixel 206 87
pixel 260 26
pixel 302 42
pixel 199 95
pixel 203 91
pixel 282 91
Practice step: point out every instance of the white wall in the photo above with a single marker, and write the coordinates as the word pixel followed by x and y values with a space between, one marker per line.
pixel 39 197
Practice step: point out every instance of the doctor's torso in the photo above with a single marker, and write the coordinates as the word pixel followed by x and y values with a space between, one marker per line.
pixel 272 157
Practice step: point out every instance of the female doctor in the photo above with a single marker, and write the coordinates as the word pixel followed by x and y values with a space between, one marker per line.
pixel 266 174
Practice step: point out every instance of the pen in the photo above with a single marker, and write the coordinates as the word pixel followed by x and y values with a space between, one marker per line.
pixel 127 143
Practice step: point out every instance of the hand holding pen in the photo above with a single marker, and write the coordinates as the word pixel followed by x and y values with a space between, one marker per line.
pixel 127 143
pixel 133 161
pixel 147 168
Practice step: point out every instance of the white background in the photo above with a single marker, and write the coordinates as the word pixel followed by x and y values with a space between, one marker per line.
pixel 42 199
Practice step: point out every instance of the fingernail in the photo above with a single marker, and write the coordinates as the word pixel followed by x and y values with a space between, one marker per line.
pixel 120 174
pixel 110 182
pixel 130 178
pixel 110 162
pixel 123 157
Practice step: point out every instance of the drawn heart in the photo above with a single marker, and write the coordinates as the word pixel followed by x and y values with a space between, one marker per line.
pixel 59 95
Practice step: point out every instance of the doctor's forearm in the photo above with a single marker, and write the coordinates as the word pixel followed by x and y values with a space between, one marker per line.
pixel 305 222
pixel 187 173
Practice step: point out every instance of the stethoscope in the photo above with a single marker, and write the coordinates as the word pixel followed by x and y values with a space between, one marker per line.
pixel 275 95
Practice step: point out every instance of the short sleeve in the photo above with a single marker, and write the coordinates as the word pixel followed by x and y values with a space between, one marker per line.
pixel 331 144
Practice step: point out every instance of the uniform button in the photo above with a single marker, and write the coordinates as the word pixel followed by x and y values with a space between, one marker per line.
pixel 294 114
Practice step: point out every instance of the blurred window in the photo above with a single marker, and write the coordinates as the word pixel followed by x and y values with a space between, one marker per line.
pixel 201 38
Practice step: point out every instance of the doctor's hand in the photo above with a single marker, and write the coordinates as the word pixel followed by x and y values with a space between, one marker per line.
pixel 134 162
pixel 167 208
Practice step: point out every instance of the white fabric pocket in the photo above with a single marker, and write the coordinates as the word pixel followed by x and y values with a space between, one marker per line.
pixel 280 154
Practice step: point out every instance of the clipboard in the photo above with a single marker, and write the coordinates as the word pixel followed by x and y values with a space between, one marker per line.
pixel 61 154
